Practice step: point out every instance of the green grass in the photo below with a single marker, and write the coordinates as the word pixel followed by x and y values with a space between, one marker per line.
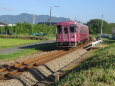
pixel 98 70
pixel 26 52
pixel 5 43
pixel 18 54
pixel 92 35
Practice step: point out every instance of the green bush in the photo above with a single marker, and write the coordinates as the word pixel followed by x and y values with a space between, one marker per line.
pixel 28 29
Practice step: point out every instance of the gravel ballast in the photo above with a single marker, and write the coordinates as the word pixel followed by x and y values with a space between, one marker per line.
pixel 35 75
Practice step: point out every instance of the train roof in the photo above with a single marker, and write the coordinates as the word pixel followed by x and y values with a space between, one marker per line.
pixel 67 23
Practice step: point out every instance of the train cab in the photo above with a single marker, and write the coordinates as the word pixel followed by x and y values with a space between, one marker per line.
pixel 66 34
pixel 70 33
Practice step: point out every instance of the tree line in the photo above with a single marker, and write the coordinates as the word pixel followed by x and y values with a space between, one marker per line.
pixel 95 26
pixel 28 29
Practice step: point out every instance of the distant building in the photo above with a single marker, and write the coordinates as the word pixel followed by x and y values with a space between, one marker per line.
pixel 11 25
pixel 2 24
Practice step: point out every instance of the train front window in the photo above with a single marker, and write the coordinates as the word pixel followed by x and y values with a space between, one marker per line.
pixel 59 29
pixel 72 28
pixel 65 30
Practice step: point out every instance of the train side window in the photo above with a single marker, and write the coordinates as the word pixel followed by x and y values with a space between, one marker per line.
pixel 59 29
pixel 65 30
pixel 72 28
pixel 83 30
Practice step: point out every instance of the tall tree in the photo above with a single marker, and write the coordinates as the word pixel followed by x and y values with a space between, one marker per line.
pixel 95 26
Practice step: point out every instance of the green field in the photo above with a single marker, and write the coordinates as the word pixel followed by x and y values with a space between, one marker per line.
pixel 26 52
pixel 98 70
pixel 5 42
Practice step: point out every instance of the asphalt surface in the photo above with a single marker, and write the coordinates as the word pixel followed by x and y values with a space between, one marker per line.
pixel 18 48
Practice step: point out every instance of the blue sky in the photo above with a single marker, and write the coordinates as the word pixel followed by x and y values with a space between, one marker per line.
pixel 82 10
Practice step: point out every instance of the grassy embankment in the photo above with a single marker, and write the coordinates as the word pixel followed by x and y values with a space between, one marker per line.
pixel 5 43
pixel 98 70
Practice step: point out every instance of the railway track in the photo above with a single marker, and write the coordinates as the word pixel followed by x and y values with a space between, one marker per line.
pixel 13 69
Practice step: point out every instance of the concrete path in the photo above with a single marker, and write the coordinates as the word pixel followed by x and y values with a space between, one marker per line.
pixel 18 48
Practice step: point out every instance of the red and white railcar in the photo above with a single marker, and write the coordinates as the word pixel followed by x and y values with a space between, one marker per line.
pixel 70 33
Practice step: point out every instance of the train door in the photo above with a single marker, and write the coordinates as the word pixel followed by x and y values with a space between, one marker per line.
pixel 73 34
pixel 65 37
pixel 59 34
pixel 78 35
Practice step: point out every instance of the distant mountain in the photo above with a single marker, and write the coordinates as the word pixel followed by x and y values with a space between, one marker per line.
pixel 24 17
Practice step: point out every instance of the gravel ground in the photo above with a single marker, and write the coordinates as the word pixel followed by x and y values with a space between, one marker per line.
pixel 38 74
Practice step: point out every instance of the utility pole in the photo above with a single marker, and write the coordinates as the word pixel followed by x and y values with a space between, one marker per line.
pixel 101 25
pixel 33 18
pixel 50 19
pixel 50 14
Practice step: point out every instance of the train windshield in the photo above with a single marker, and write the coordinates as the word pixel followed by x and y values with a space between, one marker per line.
pixel 72 28
pixel 65 30
pixel 59 29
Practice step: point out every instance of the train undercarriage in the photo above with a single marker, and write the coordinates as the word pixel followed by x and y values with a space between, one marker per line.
pixel 71 44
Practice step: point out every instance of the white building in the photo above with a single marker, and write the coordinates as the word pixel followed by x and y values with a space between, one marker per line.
pixel 2 24
pixel 11 25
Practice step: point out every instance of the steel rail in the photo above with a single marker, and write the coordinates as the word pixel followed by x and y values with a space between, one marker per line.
pixel 29 61
pixel 25 65
pixel 37 63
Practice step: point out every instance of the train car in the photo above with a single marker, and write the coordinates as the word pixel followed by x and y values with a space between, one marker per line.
pixel 70 33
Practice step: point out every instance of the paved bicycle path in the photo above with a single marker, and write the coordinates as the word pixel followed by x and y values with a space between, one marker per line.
pixel 22 47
